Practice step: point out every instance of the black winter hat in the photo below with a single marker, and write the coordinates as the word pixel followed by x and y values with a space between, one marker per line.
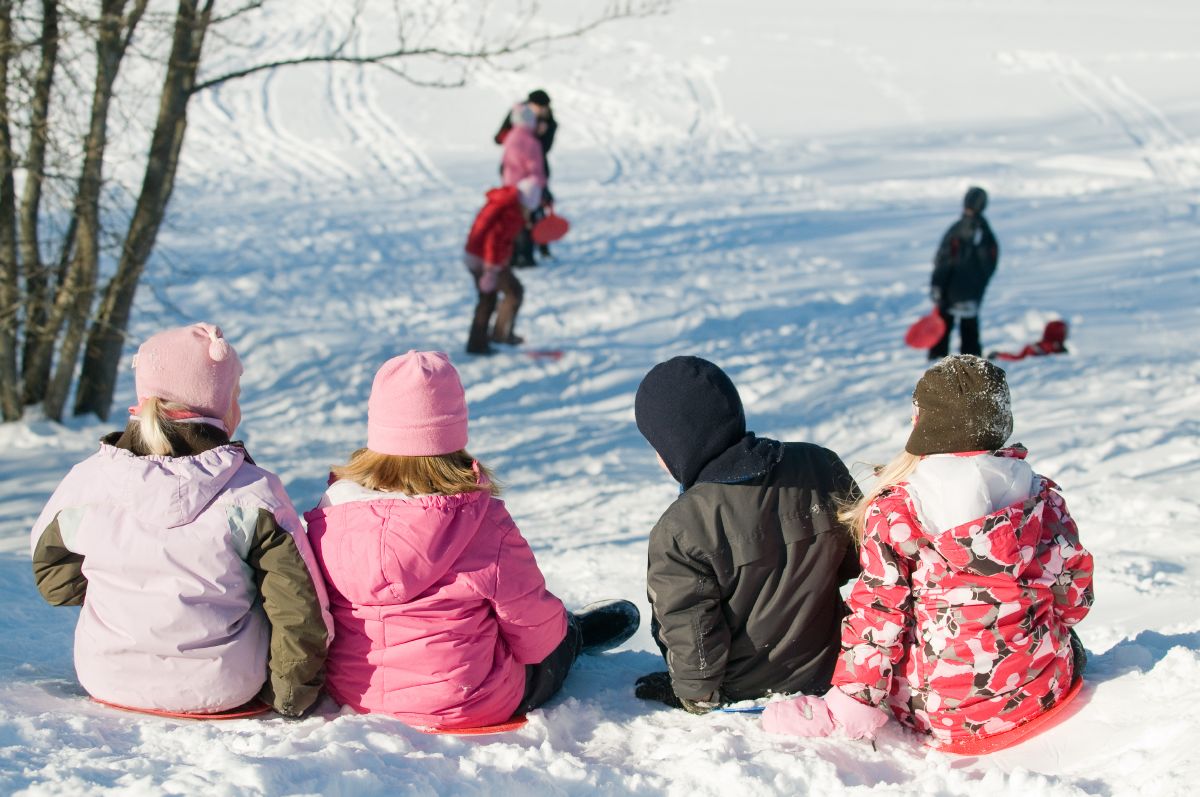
pixel 976 199
pixel 690 412
pixel 963 404
pixel 538 97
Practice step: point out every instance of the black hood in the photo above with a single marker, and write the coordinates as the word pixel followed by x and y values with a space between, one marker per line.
pixel 690 412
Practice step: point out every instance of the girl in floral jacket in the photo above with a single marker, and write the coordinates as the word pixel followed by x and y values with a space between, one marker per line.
pixel 972 578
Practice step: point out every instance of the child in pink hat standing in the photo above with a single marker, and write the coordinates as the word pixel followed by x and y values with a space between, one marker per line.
pixel 443 618
pixel 198 586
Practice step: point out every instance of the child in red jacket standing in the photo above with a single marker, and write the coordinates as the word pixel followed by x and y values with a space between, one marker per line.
pixel 972 576
pixel 488 252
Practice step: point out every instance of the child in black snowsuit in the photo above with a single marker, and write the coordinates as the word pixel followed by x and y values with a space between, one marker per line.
pixel 745 565
pixel 964 264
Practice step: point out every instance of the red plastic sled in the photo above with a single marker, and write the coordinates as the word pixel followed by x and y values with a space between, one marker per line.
pixel 554 355
pixel 251 709
pixel 549 229
pixel 1000 741
pixel 484 730
pixel 927 331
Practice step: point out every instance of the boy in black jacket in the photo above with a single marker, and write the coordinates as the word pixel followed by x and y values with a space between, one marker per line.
pixel 962 267
pixel 744 567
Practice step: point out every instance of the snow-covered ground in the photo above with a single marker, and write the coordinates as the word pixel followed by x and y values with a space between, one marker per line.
pixel 761 184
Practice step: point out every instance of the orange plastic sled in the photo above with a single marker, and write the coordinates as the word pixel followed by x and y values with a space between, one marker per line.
pixel 1026 730
pixel 927 331
pixel 251 709
pixel 484 730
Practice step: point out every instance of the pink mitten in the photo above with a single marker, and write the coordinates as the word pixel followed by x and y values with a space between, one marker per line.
pixel 489 280
pixel 858 720
pixel 805 715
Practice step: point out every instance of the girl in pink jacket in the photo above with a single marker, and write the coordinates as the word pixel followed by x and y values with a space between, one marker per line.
pixel 960 625
pixel 523 156
pixel 442 616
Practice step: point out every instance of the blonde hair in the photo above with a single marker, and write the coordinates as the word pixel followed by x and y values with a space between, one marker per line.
pixel 854 515
pixel 443 474
pixel 154 425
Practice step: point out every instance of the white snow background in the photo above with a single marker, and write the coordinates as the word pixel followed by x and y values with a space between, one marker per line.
pixel 760 183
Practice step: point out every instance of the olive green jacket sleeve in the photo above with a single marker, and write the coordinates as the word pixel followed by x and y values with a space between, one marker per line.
pixel 299 637
pixel 57 570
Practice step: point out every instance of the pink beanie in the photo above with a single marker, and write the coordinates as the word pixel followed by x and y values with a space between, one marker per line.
pixel 191 365
pixel 417 407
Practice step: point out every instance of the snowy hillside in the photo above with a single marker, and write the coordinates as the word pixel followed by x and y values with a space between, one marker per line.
pixel 764 188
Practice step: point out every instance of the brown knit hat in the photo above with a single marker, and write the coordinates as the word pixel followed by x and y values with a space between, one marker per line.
pixel 962 405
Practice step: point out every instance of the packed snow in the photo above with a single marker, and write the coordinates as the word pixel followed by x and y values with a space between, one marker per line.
pixel 763 187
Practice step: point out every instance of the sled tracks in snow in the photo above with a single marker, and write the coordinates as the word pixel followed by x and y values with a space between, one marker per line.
pixel 1171 156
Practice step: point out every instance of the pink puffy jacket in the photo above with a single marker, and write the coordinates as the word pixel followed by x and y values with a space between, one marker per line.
pixel 437 602
pixel 523 157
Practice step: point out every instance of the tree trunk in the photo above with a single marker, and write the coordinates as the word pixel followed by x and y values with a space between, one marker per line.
pixel 36 271
pixel 73 304
pixel 107 336
pixel 10 397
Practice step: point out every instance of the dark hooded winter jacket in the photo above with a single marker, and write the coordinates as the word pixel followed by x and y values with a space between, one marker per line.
pixel 743 579
pixel 744 567
pixel 965 262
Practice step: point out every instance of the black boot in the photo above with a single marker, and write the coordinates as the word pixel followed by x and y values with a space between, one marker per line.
pixel 606 624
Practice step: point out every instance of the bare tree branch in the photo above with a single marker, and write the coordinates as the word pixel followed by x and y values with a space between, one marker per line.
pixel 483 52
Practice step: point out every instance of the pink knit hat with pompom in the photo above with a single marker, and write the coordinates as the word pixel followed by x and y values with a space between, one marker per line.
pixel 418 407
pixel 193 365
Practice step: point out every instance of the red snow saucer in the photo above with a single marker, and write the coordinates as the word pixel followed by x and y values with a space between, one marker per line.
pixel 550 229
pixel 483 730
pixel 251 709
pixel 999 741
pixel 927 331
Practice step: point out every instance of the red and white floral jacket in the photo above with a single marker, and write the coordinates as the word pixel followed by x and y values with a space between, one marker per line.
pixel 963 632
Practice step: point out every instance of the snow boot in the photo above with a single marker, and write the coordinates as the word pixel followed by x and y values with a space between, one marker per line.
pixel 605 624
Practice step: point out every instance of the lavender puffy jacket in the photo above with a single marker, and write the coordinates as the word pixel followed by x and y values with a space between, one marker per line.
pixel 438 605
pixel 198 587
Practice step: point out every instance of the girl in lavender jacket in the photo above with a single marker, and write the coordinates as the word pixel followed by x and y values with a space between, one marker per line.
pixel 442 615
pixel 198 587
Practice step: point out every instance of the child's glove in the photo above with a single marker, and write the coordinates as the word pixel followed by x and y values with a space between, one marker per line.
pixel 489 280
pixel 657 686
pixel 809 715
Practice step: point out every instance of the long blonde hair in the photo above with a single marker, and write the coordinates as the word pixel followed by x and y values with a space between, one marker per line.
pixel 444 474
pixel 854 515
pixel 154 425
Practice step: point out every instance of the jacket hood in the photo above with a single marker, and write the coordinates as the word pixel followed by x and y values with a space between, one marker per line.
pixel 690 412
pixel 503 195
pixel 170 491
pixel 420 540
pixel 982 513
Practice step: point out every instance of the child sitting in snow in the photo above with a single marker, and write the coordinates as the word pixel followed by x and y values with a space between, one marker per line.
pixel 488 252
pixel 442 615
pixel 199 590
pixel 745 565
pixel 972 578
